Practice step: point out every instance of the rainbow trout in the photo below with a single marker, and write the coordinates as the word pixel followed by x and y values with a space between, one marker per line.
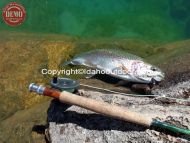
pixel 119 64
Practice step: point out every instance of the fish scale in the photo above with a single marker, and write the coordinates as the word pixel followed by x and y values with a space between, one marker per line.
pixel 112 60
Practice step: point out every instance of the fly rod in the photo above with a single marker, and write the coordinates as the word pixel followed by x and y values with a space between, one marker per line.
pixel 105 109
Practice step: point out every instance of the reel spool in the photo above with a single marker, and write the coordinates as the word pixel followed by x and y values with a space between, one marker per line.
pixel 64 84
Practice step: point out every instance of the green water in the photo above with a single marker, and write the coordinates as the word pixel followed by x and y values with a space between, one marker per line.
pixel 163 20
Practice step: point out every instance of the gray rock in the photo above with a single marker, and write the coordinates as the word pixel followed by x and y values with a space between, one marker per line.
pixel 71 124
pixel 178 90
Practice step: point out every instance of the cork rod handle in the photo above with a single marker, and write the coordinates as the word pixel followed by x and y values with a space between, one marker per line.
pixel 98 107
pixel 105 108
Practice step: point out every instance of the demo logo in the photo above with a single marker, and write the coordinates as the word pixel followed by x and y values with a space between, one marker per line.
pixel 14 14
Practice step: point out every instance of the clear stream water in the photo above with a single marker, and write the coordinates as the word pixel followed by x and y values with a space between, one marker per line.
pixel 157 20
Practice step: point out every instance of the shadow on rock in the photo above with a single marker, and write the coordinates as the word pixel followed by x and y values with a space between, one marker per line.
pixel 40 129
pixel 58 113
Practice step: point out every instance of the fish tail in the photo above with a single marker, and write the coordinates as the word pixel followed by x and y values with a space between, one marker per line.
pixel 67 63
pixel 72 62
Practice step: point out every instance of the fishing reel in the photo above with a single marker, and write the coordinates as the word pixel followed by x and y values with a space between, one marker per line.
pixel 64 84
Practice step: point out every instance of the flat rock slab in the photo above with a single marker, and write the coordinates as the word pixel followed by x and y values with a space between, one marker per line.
pixel 72 124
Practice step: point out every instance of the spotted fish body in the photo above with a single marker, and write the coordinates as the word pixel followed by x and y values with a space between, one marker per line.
pixel 119 64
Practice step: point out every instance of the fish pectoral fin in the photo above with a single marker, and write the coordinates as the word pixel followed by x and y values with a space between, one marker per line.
pixel 120 69
pixel 124 68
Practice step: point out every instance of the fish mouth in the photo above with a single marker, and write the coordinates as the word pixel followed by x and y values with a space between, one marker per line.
pixel 153 79
pixel 159 77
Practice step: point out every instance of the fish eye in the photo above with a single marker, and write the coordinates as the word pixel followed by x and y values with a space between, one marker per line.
pixel 153 69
